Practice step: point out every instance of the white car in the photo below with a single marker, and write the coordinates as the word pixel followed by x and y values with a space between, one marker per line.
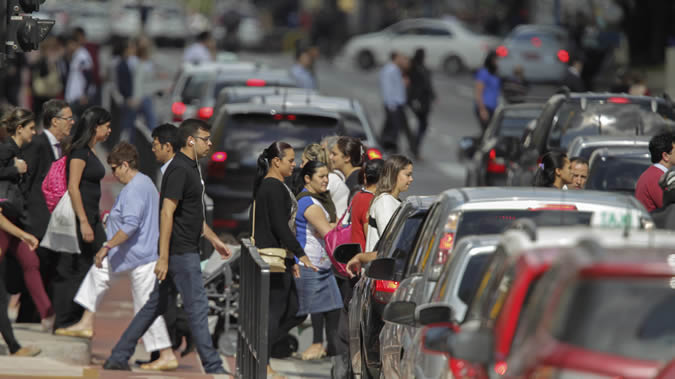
pixel 449 45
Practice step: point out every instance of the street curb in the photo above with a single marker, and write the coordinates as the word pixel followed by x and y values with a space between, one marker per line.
pixel 59 348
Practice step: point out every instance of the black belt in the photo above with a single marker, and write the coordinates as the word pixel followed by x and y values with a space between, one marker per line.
pixel 372 222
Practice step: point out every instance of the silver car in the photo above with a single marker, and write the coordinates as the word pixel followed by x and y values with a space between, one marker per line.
pixel 584 146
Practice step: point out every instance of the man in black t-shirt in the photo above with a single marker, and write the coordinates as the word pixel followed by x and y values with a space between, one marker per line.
pixel 182 223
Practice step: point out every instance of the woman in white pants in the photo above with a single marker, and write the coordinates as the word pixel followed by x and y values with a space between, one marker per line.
pixel 132 230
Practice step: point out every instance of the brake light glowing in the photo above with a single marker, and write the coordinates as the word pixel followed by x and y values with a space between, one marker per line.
pixel 205 113
pixel 374 154
pixel 291 117
pixel 461 369
pixel 178 109
pixel 536 41
pixel 502 51
pixel 255 83
pixel 563 56
pixel 383 289
pixel 501 367
pixel 447 241
pixel 618 100
pixel 219 156
pixel 492 165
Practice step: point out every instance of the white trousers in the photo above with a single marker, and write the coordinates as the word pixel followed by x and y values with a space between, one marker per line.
pixel 97 282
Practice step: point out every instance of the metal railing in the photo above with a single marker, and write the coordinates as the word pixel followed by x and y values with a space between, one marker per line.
pixel 254 287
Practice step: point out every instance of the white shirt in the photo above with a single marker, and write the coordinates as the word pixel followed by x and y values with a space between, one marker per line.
pixel 381 210
pixel 197 53
pixel 309 237
pixel 76 86
pixel 339 192
pixel 165 165
pixel 661 167
pixel 54 143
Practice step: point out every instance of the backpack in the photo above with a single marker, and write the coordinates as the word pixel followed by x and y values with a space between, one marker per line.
pixel 55 183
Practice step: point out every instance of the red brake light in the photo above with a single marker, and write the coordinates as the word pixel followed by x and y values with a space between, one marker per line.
pixel 278 117
pixel 563 56
pixel 461 369
pixel 374 154
pixel 255 83
pixel 555 207
pixel 219 156
pixel 444 247
pixel 536 41
pixel 291 117
pixel 226 224
pixel 501 367
pixel 502 51
pixel 618 100
pixel 205 113
pixel 492 165
pixel 383 289
pixel 178 109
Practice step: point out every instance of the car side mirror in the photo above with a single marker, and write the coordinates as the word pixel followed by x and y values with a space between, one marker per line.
pixel 434 313
pixel 437 338
pixel 345 252
pixel 467 146
pixel 381 269
pixel 400 312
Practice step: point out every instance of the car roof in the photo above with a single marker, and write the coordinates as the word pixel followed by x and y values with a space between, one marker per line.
pixel 508 107
pixel 244 108
pixel 598 96
pixel 421 202
pixel 263 74
pixel 539 27
pixel 191 68
pixel 622 152
pixel 604 139
pixel 339 104
pixel 265 91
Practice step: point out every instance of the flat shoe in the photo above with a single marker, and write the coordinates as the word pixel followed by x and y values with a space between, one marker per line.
pixel 27 351
pixel 160 366
pixel 85 333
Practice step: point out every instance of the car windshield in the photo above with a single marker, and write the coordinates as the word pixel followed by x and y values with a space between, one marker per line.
pixel 472 276
pixel 630 317
pixel 545 38
pixel 244 81
pixel 513 125
pixel 480 222
pixel 353 126
pixel 616 173
pixel 607 118
pixel 194 88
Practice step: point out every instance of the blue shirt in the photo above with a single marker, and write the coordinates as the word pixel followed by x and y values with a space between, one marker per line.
pixel 392 87
pixel 303 77
pixel 136 213
pixel 492 87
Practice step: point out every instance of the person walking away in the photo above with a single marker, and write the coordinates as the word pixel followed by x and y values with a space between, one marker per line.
pixel 347 156
pixel 80 70
pixel 85 171
pixel 487 87
pixel 94 88
pixel 15 349
pixel 318 293
pixel 579 171
pixel 143 75
pixel 337 188
pixel 515 86
pixel 396 178
pixel 45 148
pixel 647 189
pixel 132 230
pixel 362 199
pixel 182 222
pixel 421 95
pixel 201 51
pixel 45 76
pixel 573 79
pixel 393 91
pixel 554 171
pixel 124 74
pixel 302 69
pixel 20 126
pixel 272 217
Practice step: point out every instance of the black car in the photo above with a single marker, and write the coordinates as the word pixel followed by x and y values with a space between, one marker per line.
pixel 570 115
pixel 489 154
pixel 617 169
pixel 371 296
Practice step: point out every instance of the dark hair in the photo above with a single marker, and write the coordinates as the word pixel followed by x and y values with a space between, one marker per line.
pixel 85 128
pixel 275 150
pixel 51 109
pixel 372 171
pixel 490 63
pixel 119 46
pixel 189 128
pixel 353 149
pixel 310 168
pixel 203 36
pixel 393 54
pixel 418 57
pixel 167 133
pixel 124 152
pixel 580 160
pixel 15 118
pixel 78 30
pixel 662 143
pixel 545 176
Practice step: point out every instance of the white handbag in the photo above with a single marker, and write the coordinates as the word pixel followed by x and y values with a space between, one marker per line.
pixel 61 234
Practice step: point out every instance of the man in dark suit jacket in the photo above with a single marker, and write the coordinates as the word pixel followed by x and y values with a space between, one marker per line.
pixel 57 120
pixel 573 79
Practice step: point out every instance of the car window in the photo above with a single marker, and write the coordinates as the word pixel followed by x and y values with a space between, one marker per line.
pixel 616 174
pixel 426 241
pixel 480 303
pixel 194 88
pixel 543 37
pixel 629 317
pixel 353 126
pixel 400 245
pixel 497 292
pixel 513 126
pixel 243 81
pixel 432 31
pixel 472 276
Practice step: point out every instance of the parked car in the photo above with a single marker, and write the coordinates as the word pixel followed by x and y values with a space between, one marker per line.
pixel 371 296
pixel 570 115
pixel 617 170
pixel 450 46
pixel 499 144
pixel 584 146
pixel 168 23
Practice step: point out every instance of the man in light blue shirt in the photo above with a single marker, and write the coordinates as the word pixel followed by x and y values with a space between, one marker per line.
pixel 301 70
pixel 393 90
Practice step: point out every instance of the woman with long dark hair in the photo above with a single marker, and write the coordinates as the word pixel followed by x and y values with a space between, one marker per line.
pixel 85 172
pixel 554 171
pixel 347 156
pixel 361 201
pixel 274 208
pixel 486 90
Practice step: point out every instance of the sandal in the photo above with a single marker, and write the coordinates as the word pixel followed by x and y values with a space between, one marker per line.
pixel 313 354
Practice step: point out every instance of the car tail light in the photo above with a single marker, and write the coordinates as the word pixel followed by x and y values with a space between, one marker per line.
pixel 618 100
pixel 205 113
pixel 383 289
pixel 256 83
pixel 216 167
pixel 500 368
pixel 289 117
pixel 563 56
pixel 462 369
pixel 374 154
pixel 178 109
pixel 555 207
pixel 502 51
pixel 219 156
pixel 536 41
pixel 225 224
pixel 444 248
pixel 493 166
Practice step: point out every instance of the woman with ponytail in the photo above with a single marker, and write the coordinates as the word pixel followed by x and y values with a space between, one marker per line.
pixel 554 171
pixel 348 156
pixel 273 214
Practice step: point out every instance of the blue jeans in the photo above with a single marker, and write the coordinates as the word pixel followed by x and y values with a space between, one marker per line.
pixel 186 274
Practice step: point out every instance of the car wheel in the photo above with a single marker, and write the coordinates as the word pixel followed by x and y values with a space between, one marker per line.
pixel 365 60
pixel 453 65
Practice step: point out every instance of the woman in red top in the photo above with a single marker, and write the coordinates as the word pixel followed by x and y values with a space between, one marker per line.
pixel 362 199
